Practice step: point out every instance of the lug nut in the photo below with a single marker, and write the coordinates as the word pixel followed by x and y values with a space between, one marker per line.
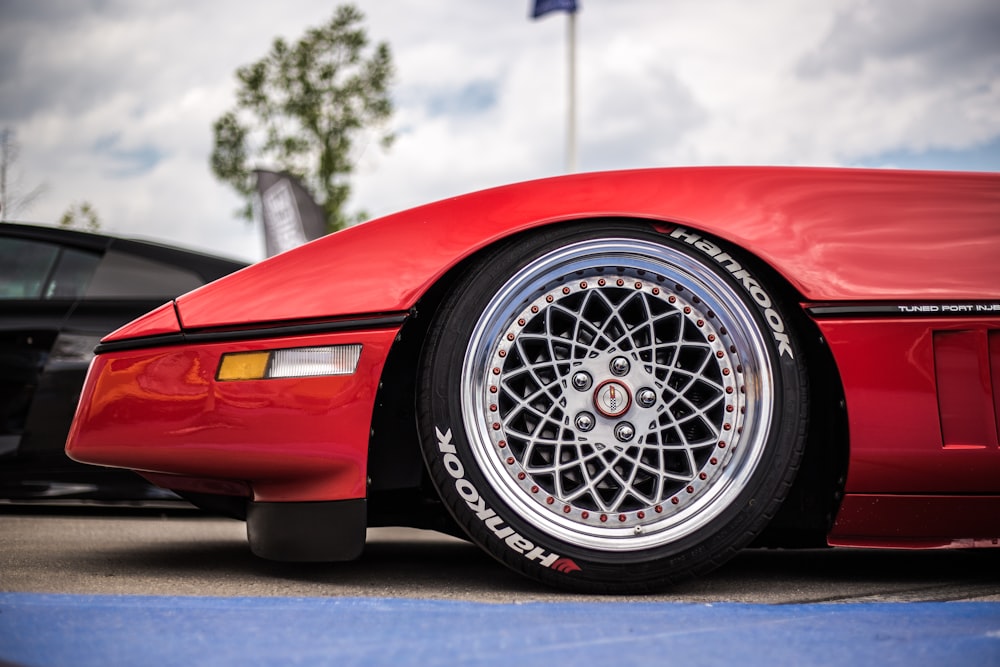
pixel 582 381
pixel 620 366
pixel 585 421
pixel 646 397
pixel 624 432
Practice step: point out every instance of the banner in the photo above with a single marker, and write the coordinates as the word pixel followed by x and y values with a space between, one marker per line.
pixel 291 216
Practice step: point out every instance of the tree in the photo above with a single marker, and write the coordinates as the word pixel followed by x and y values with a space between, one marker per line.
pixel 301 108
pixel 12 201
pixel 81 215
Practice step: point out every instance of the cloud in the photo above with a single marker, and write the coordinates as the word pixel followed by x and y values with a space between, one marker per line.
pixel 645 119
pixel 113 101
pixel 909 76
pixel 932 39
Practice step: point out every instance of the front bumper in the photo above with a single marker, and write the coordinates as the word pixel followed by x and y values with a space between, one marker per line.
pixel 161 410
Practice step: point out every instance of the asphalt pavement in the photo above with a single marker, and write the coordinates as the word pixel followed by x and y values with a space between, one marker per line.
pixel 146 553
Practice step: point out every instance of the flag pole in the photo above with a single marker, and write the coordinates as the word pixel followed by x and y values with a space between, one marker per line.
pixel 571 162
pixel 541 8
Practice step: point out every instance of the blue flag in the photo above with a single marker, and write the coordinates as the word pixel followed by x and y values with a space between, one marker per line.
pixel 543 7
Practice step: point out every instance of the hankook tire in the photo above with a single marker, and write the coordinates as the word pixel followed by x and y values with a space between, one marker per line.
pixel 609 408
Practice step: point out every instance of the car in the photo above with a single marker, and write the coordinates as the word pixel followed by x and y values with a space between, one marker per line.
pixel 61 290
pixel 608 381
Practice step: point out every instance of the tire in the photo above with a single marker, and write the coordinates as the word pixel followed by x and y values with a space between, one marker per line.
pixel 610 409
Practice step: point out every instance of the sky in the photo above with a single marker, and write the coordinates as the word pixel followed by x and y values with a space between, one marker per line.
pixel 113 101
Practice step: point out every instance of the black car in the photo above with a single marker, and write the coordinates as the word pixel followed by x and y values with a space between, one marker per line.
pixel 61 291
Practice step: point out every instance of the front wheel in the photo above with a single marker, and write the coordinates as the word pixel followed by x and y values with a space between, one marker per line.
pixel 611 410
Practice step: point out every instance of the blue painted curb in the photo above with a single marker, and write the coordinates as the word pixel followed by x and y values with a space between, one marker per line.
pixel 84 630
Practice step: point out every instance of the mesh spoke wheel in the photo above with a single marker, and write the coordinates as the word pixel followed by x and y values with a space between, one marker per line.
pixel 617 397
pixel 606 391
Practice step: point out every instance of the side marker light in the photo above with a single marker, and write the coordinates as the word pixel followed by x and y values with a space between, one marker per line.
pixel 293 362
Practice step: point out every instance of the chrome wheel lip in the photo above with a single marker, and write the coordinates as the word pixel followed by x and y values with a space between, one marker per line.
pixel 668 518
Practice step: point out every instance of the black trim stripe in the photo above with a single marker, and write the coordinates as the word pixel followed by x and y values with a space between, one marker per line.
pixel 232 335
pixel 908 309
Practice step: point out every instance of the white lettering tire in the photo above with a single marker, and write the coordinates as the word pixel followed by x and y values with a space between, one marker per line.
pixel 611 409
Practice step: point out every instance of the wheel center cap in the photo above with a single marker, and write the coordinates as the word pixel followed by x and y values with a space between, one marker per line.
pixel 612 398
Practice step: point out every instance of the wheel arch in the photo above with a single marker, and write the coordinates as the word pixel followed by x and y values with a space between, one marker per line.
pixel 396 470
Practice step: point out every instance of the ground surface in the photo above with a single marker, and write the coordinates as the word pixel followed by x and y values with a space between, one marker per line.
pixel 179 589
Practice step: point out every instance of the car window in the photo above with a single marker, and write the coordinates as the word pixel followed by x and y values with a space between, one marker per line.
pixel 122 275
pixel 72 274
pixel 24 267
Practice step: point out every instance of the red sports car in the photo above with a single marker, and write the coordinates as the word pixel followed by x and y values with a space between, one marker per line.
pixel 607 381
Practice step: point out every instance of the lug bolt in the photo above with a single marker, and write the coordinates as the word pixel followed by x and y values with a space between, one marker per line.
pixel 620 366
pixel 582 381
pixel 646 397
pixel 585 421
pixel 624 432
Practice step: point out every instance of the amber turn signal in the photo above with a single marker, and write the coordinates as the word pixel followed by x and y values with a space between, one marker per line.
pixel 289 363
